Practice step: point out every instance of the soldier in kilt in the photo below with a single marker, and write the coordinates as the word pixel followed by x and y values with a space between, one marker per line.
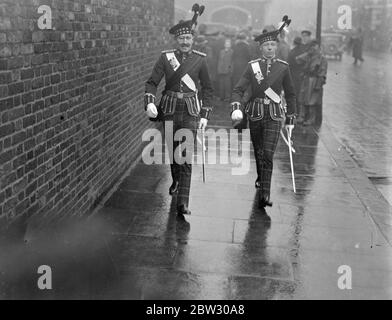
pixel 187 84
pixel 267 77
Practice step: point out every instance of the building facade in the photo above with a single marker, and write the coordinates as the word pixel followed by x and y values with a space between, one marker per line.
pixel 71 98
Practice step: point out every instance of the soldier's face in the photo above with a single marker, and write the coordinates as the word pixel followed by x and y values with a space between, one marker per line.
pixel 268 49
pixel 185 42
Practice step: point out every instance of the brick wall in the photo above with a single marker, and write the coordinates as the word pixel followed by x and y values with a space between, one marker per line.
pixel 71 114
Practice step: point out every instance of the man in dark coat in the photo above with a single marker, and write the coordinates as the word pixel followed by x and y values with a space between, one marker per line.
pixel 217 43
pixel 241 57
pixel 297 74
pixel 356 42
pixel 202 45
pixel 225 69
pixel 315 76
pixel 283 50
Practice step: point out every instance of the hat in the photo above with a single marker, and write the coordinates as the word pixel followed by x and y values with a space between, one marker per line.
pixel 241 36
pixel 267 36
pixel 297 40
pixel 188 27
pixel 214 34
pixel 183 27
pixel 309 33
pixel 201 39
pixel 273 35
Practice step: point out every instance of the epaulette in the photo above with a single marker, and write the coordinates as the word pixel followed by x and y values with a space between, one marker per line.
pixel 200 53
pixel 250 62
pixel 167 51
pixel 282 61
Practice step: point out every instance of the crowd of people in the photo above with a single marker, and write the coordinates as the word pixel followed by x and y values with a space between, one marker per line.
pixel 229 54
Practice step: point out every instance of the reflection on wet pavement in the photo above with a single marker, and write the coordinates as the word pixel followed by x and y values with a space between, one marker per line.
pixel 136 247
pixel 362 117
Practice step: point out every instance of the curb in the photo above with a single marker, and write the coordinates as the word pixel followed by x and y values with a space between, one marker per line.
pixel 376 206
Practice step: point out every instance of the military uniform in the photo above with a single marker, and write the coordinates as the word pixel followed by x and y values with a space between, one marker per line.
pixel 265 112
pixel 173 63
pixel 187 96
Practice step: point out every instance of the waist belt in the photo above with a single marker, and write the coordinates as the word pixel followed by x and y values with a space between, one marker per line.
pixel 180 95
pixel 266 101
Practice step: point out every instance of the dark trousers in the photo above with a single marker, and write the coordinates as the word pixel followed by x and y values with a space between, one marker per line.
pixel 182 173
pixel 310 113
pixel 224 86
pixel 265 135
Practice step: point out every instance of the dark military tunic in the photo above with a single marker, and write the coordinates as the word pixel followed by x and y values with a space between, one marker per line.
pixel 265 115
pixel 179 107
pixel 198 71
pixel 282 82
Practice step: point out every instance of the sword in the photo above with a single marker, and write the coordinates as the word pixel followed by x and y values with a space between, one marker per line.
pixel 203 155
pixel 202 142
pixel 285 140
pixel 291 157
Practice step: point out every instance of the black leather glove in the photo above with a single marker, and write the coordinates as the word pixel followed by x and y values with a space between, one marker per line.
pixel 289 120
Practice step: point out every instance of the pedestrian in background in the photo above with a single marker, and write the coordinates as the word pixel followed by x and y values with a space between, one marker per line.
pixel 306 39
pixel 297 73
pixel 283 50
pixel 202 44
pixel 356 43
pixel 217 44
pixel 315 75
pixel 241 57
pixel 253 46
pixel 225 70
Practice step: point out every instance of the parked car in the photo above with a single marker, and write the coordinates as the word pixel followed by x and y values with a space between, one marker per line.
pixel 333 45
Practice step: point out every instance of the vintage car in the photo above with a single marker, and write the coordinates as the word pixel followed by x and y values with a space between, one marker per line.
pixel 333 45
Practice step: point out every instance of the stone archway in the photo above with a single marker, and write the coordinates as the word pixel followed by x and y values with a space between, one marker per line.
pixel 180 14
pixel 231 15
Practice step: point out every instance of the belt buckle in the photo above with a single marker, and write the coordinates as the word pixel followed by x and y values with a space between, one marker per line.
pixel 180 95
pixel 267 101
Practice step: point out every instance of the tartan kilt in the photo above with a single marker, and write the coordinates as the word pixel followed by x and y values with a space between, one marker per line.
pixel 265 136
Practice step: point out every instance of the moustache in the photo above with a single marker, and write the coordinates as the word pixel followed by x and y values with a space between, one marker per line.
pixel 185 45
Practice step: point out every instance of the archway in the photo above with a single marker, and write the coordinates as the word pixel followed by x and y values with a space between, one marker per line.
pixel 180 14
pixel 231 15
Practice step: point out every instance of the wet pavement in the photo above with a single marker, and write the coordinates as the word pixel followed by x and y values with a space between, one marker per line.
pixel 136 247
pixel 365 128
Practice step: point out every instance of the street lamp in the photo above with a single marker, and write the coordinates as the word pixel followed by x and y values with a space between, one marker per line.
pixel 319 19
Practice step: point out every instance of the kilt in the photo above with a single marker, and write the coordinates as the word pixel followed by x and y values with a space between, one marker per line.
pixel 181 172
pixel 265 136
